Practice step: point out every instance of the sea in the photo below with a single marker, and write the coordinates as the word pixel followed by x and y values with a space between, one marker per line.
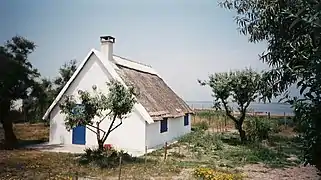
pixel 273 108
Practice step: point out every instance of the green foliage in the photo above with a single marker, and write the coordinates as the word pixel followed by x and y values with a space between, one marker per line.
pixel 118 103
pixel 45 91
pixel 292 32
pixel 242 87
pixel 258 129
pixel 17 79
pixel 201 140
pixel 16 72
pixel 106 158
pixel 65 73
pixel 200 126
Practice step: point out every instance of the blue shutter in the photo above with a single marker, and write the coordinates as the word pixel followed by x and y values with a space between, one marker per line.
pixel 163 125
pixel 186 120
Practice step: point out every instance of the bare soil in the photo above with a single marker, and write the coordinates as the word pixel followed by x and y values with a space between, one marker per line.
pixel 261 172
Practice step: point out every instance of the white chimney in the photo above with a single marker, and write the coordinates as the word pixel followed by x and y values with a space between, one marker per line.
pixel 107 43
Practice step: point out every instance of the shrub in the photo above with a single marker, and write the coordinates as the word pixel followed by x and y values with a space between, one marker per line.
pixel 258 128
pixel 199 139
pixel 107 158
pixel 210 174
pixel 201 126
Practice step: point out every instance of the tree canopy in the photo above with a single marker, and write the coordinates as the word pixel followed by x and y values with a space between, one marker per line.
pixel 241 87
pixel 17 79
pixel 95 107
pixel 291 30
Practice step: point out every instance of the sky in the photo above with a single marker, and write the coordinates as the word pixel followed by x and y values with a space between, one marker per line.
pixel 184 40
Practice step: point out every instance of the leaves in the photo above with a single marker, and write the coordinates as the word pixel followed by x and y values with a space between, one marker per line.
pixel 241 87
pixel 94 107
pixel 291 29
pixel 17 75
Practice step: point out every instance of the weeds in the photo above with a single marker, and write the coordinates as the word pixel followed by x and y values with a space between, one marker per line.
pixel 200 126
pixel 258 128
pixel 211 174
pixel 107 158
pixel 201 141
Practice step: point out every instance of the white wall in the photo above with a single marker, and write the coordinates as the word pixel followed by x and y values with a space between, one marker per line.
pixel 130 135
pixel 92 73
pixel 175 127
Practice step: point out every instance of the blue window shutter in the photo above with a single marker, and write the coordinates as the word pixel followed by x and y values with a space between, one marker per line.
pixel 186 120
pixel 164 125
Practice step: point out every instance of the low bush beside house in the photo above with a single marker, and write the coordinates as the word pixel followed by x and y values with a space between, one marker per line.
pixel 106 158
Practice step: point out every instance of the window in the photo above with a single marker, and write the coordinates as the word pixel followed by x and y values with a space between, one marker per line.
pixel 186 120
pixel 163 125
pixel 78 109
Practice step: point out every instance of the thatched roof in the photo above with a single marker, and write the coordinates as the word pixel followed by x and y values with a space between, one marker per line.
pixel 159 100
pixel 155 96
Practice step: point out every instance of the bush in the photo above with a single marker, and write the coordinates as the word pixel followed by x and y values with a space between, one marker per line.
pixel 201 126
pixel 258 128
pixel 107 158
pixel 199 139
pixel 210 174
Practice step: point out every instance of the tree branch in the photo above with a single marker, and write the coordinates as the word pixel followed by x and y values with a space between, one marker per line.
pixel 91 130
pixel 104 117
pixel 228 112
pixel 121 122
pixel 109 129
pixel 96 128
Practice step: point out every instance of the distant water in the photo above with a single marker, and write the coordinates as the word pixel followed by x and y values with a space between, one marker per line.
pixel 273 108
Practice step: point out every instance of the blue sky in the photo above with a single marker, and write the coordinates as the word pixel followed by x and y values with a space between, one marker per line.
pixel 183 40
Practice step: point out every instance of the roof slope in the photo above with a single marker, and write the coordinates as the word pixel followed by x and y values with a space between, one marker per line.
pixel 154 94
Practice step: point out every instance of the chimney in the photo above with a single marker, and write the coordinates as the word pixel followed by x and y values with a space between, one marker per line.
pixel 107 43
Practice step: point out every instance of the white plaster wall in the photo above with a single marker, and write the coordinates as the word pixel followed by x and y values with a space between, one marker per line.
pixel 58 133
pixel 129 136
pixel 92 73
pixel 176 129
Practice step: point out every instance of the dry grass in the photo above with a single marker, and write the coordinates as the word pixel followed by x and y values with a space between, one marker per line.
pixel 30 164
pixel 27 131
pixel 182 157
pixel 216 122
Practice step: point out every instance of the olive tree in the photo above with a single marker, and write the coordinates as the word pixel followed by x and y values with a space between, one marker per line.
pixel 17 80
pixel 291 30
pixel 94 108
pixel 241 87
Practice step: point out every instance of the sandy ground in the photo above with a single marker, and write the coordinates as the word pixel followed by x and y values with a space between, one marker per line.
pixel 260 172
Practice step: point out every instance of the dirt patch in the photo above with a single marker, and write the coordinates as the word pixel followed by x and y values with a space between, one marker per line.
pixel 261 172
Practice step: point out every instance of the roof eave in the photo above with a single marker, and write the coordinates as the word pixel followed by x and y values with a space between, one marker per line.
pixel 64 89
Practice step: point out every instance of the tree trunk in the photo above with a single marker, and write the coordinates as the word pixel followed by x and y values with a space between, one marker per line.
pixel 242 135
pixel 99 140
pixel 9 136
pixel 100 145
pixel 242 132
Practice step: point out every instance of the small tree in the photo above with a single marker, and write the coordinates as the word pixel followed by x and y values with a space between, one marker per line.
pixel 240 87
pixel 96 107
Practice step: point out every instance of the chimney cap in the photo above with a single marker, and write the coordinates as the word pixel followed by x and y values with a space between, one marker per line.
pixel 107 39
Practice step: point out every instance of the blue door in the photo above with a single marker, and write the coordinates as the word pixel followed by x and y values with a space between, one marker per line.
pixel 79 135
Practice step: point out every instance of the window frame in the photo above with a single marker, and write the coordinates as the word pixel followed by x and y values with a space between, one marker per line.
pixel 186 120
pixel 164 125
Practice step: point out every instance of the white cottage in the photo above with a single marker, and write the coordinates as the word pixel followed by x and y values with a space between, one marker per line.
pixel 159 115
